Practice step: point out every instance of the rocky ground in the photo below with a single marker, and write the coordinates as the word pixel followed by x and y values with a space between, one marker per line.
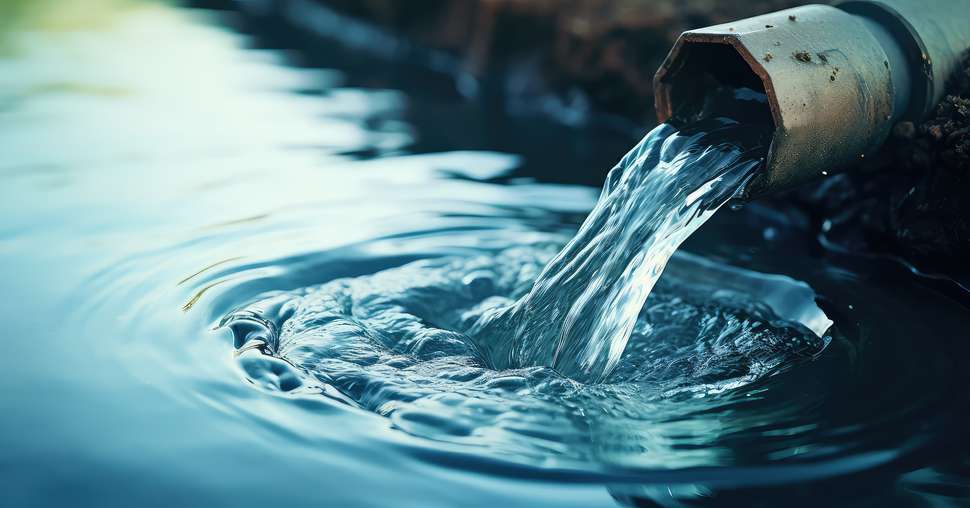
pixel 594 59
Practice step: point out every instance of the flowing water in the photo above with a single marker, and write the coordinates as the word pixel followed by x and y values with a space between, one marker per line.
pixel 584 305
pixel 235 277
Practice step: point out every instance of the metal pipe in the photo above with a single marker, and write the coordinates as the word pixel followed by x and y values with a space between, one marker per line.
pixel 837 77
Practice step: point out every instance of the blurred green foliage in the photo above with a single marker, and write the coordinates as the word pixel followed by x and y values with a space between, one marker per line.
pixel 57 16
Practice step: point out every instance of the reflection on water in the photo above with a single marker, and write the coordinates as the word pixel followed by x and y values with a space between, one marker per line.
pixel 157 176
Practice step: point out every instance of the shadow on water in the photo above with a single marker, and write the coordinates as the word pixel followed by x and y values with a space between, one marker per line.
pixel 161 172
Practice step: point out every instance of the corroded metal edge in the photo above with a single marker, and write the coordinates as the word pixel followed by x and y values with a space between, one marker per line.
pixel 828 84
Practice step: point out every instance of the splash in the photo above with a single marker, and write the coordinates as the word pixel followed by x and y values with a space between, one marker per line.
pixel 549 348
pixel 580 313
pixel 395 343
pixel 577 314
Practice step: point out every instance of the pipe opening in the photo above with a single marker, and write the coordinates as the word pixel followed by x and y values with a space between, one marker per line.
pixel 709 72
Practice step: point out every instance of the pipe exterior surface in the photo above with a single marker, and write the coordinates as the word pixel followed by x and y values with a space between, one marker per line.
pixel 836 78
pixel 934 34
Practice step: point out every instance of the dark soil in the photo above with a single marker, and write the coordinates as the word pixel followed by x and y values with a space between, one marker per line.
pixel 913 200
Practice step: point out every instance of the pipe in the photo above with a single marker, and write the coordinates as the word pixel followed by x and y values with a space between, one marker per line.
pixel 837 77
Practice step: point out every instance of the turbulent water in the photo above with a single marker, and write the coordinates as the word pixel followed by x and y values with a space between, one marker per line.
pixel 392 343
pixel 522 349
pixel 584 305
pixel 246 271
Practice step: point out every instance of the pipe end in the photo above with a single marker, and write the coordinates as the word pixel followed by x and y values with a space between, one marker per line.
pixel 826 78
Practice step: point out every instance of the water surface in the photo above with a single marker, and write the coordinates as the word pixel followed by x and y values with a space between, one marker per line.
pixel 159 174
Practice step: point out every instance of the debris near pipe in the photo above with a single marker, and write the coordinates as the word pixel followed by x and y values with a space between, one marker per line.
pixel 911 199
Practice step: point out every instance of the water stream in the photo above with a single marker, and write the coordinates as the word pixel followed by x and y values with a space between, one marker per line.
pixel 583 308
pixel 499 348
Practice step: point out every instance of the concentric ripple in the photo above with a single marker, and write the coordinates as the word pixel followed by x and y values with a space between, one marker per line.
pixel 397 343
pixel 143 208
